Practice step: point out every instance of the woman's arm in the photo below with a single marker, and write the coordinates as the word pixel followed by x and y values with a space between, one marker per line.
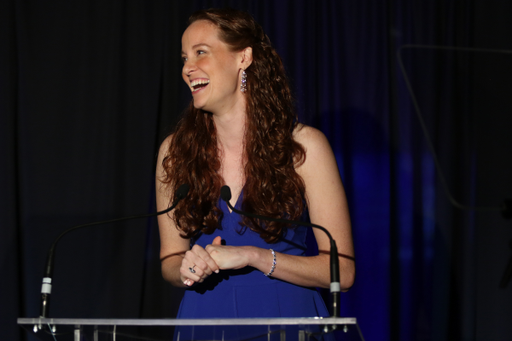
pixel 327 204
pixel 175 253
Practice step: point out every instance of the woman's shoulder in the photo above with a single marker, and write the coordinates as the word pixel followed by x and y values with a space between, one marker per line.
pixel 163 152
pixel 319 156
pixel 310 138
pixel 165 145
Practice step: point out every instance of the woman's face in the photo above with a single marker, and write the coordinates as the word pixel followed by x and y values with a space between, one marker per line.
pixel 210 69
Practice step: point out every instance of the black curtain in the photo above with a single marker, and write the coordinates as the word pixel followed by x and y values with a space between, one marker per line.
pixel 420 129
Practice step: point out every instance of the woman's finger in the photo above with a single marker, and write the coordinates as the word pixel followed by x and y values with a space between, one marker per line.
pixel 209 265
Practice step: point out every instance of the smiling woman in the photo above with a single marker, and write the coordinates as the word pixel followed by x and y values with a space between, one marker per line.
pixel 241 131
pixel 212 70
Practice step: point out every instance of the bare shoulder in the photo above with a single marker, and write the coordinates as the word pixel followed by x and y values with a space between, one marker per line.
pixel 316 145
pixel 319 170
pixel 307 135
pixel 161 175
pixel 164 146
pixel 162 153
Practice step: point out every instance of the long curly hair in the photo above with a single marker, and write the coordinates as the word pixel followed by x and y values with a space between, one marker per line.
pixel 272 188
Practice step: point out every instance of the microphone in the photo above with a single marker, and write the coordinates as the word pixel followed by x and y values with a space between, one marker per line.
pixel 335 288
pixel 46 288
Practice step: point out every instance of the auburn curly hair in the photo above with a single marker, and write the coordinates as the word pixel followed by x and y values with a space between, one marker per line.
pixel 272 188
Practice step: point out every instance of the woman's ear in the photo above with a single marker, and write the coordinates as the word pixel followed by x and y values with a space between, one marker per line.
pixel 246 57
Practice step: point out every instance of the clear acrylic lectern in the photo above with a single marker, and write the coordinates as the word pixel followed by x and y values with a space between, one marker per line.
pixel 279 329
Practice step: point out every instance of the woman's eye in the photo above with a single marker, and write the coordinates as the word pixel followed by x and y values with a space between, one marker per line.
pixel 184 59
pixel 200 52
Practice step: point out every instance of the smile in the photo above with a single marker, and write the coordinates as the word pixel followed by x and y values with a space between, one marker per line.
pixel 198 84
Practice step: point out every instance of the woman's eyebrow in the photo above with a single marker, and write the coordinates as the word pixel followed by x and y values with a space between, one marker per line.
pixel 196 46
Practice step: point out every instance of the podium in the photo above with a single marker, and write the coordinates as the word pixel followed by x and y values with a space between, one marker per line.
pixel 240 329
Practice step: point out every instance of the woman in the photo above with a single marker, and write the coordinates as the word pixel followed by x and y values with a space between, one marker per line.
pixel 240 130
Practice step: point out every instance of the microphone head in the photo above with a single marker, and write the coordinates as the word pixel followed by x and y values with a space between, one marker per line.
pixel 225 193
pixel 182 191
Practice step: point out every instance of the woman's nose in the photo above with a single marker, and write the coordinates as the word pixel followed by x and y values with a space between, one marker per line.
pixel 188 67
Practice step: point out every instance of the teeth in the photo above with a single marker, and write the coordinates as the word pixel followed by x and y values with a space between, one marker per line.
pixel 196 82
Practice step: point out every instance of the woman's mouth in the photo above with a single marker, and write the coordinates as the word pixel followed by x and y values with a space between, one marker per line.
pixel 198 84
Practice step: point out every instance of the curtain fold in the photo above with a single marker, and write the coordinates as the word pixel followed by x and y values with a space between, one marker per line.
pixel 11 293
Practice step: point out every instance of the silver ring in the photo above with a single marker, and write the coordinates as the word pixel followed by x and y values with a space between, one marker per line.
pixel 192 269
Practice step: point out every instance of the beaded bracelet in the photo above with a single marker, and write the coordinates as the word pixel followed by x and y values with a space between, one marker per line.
pixel 273 264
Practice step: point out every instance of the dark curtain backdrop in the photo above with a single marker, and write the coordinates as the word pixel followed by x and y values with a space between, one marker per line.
pixel 88 90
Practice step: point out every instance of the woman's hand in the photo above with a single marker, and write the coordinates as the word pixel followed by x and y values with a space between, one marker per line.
pixel 197 265
pixel 228 257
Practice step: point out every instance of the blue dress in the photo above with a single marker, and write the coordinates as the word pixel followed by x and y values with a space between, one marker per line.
pixel 248 292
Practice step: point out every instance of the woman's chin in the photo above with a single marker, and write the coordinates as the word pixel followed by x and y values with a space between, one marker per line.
pixel 198 105
pixel 202 106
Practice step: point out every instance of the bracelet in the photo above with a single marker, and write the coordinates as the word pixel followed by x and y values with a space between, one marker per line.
pixel 273 264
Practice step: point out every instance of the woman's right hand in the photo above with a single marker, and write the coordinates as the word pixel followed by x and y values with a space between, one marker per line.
pixel 202 264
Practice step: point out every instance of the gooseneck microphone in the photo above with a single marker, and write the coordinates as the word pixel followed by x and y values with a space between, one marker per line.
pixel 46 288
pixel 225 194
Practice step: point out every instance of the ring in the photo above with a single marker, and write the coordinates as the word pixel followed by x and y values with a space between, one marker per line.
pixel 192 269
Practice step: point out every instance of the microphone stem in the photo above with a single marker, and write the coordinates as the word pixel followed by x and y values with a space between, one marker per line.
pixel 48 274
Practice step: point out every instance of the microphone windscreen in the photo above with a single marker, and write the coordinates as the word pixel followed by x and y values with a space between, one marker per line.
pixel 182 191
pixel 225 193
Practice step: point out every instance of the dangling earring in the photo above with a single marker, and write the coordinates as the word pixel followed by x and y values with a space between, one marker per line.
pixel 243 86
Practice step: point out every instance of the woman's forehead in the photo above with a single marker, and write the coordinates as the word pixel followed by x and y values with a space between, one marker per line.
pixel 201 31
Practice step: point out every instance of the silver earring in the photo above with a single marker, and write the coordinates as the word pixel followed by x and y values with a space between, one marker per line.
pixel 243 86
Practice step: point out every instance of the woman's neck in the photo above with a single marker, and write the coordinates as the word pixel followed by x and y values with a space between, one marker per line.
pixel 230 131
pixel 230 139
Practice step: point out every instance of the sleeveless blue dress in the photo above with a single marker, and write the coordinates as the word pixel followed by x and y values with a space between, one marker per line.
pixel 248 292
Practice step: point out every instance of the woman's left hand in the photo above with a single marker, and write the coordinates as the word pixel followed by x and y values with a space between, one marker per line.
pixel 228 257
